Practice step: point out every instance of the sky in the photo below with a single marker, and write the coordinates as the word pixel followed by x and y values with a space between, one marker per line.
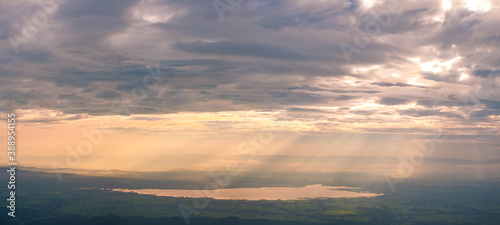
pixel 132 81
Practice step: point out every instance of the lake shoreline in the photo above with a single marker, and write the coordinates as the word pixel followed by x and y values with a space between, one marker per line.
pixel 315 191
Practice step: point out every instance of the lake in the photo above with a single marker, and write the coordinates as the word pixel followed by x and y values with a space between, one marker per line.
pixel 263 193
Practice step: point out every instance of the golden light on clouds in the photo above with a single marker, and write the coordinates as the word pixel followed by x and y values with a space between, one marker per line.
pixel 478 5
pixel 220 133
pixel 413 67
pixel 446 5
pixel 436 66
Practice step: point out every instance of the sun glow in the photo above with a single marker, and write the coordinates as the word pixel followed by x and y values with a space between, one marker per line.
pixel 463 76
pixel 436 66
pixel 446 5
pixel 478 5
pixel 368 3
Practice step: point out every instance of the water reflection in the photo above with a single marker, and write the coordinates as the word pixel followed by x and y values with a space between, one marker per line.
pixel 263 193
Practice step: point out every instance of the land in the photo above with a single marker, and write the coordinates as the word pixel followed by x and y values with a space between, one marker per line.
pixel 81 199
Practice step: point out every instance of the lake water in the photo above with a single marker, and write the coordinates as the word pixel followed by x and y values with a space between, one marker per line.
pixel 263 193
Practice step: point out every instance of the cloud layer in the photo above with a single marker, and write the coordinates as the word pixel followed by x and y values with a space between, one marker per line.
pixel 361 66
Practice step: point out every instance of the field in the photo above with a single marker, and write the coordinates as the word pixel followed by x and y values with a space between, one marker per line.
pixel 42 199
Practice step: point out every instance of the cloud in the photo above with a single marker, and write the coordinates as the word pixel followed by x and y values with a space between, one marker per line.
pixel 35 56
pixel 491 104
pixel 305 110
pixel 420 113
pixel 107 94
pixel 486 73
pixel 280 57
pixel 387 84
pixel 427 112
pixel 393 101
pixel 434 103
pixel 240 49
pixel 323 15
pixel 485 113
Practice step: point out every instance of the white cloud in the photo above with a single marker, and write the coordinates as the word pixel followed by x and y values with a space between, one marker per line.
pixel 478 5
pixel 446 5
